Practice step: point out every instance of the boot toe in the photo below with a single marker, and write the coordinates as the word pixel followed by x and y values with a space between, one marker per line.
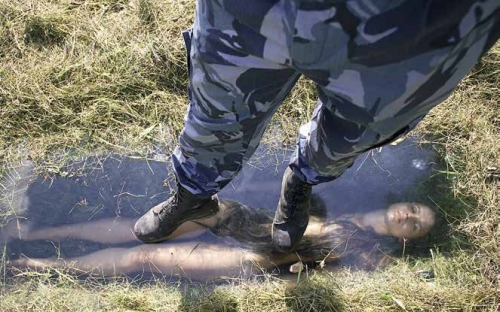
pixel 282 240
pixel 145 228
pixel 287 236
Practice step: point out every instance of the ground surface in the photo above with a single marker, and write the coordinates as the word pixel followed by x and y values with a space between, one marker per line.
pixel 108 76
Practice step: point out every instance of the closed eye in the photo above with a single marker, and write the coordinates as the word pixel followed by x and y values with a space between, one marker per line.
pixel 415 226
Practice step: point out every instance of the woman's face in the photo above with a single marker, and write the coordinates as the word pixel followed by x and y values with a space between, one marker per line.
pixel 409 220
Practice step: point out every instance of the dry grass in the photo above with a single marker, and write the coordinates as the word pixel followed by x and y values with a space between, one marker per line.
pixel 465 132
pixel 88 73
pixel 109 75
pixel 456 287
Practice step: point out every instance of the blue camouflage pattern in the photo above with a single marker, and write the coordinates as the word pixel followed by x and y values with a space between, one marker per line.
pixel 379 67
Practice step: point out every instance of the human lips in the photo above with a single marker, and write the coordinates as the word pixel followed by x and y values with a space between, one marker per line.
pixel 400 216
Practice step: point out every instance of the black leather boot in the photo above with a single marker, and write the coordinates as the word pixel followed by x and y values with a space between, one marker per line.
pixel 292 214
pixel 161 220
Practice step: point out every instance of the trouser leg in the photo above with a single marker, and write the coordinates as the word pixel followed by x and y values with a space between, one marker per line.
pixel 238 78
pixel 385 77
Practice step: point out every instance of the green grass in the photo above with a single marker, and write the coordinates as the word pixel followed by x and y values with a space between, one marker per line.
pixel 88 77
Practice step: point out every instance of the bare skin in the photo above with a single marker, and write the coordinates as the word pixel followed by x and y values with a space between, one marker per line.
pixel 189 260
pixel 403 220
pixel 198 260
pixel 111 231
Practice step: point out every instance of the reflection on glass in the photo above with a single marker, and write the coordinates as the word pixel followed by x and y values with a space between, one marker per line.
pixel 357 236
pixel 92 206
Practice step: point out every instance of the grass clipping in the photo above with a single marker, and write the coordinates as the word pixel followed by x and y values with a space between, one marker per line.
pixel 110 75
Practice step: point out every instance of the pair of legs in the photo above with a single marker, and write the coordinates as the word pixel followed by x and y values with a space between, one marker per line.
pixel 379 68
pixel 187 259
pixel 328 241
pixel 190 260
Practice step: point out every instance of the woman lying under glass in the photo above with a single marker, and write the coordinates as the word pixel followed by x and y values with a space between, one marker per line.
pixel 249 250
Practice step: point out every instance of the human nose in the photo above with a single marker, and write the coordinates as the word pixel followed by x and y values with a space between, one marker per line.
pixel 410 215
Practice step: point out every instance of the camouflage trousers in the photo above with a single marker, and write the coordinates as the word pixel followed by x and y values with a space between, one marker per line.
pixel 379 67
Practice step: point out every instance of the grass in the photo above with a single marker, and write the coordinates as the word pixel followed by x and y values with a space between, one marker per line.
pixel 80 77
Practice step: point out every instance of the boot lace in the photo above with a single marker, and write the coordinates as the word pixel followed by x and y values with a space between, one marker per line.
pixel 170 207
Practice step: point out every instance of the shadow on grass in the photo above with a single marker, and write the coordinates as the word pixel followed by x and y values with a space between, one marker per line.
pixel 199 299
pixel 314 294
pixel 45 31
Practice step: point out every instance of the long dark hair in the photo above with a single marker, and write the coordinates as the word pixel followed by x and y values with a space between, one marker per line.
pixel 340 238
pixel 342 242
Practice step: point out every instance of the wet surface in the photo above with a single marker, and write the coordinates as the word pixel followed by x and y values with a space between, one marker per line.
pixel 377 179
pixel 115 186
